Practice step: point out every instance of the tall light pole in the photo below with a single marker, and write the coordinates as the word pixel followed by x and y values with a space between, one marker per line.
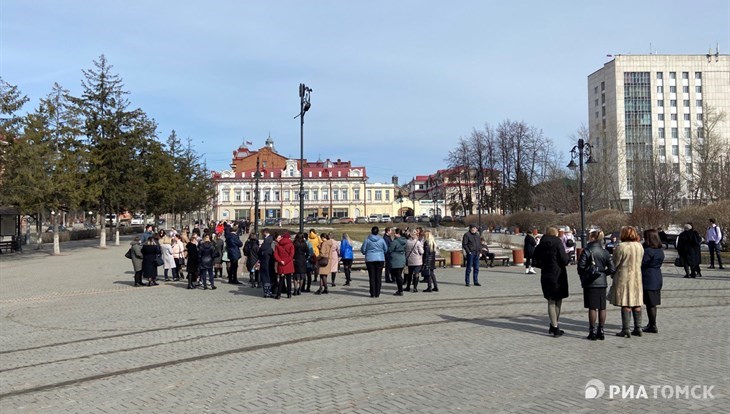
pixel 304 106
pixel 256 213
pixel 580 151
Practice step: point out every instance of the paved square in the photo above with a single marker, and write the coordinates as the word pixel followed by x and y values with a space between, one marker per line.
pixel 78 338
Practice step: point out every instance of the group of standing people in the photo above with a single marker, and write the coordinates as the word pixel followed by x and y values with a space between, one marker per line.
pixel 634 268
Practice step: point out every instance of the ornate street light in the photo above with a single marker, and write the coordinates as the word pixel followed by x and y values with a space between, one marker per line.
pixel 580 151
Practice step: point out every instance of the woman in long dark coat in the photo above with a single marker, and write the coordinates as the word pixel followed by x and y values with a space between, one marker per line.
pixel 530 244
pixel 553 259
pixel 150 251
pixel 251 251
pixel 688 247
pixel 301 257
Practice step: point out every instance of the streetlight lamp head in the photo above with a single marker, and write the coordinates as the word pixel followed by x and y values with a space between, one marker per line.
pixel 572 165
pixel 591 160
pixel 307 105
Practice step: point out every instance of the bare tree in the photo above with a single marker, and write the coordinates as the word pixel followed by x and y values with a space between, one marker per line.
pixel 706 178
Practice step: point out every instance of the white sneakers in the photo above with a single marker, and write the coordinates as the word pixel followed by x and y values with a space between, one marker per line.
pixel 530 271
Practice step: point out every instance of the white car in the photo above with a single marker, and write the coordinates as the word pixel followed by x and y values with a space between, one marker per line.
pixel 373 218
pixel 386 218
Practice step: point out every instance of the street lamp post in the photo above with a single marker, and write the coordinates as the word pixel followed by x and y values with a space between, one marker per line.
pixel 580 151
pixel 304 105
pixel 257 176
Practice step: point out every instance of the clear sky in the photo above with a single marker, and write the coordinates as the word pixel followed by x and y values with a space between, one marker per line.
pixel 395 83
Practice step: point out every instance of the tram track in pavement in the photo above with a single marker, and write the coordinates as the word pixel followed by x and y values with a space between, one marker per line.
pixel 295 341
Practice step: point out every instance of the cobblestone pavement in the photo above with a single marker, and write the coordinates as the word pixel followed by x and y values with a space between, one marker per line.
pixel 78 338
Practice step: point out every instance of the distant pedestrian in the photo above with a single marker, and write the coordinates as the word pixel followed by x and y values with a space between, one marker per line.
pixel 168 258
pixel 233 246
pixel 284 255
pixel 429 262
pixel 150 253
pixel 397 252
pixel 651 276
pixel 137 258
pixel 471 244
pixel 266 270
pixel 301 259
pixel 713 237
pixel 414 260
pixel 347 257
pixel 387 238
pixel 334 258
pixel 207 254
pixel 193 262
pixel 530 243
pixel 251 252
pixel 323 261
pixel 220 245
pixel 553 259
pixel 688 248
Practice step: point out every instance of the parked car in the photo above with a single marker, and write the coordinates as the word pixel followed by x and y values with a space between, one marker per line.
pixel 373 218
pixel 386 218
pixel 346 220
pixel 137 220
pixel 447 219
pixel 397 219
pixel 321 220
pixel 361 220
pixel 410 219
pixel 423 219
pixel 269 221
pixel 284 221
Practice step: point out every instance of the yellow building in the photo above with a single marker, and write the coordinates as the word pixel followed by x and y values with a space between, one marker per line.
pixel 331 188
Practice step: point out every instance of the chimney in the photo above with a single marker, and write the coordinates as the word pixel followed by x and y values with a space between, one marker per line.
pixel 394 179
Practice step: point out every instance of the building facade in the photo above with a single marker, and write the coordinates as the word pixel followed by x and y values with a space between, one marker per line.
pixel 331 188
pixel 647 112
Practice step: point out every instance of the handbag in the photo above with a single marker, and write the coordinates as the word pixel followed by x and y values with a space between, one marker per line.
pixel 158 260
pixel 323 261
pixel 128 255
pixel 678 262
pixel 587 276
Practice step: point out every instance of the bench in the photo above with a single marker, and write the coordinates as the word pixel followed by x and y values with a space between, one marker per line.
pixel 7 245
pixel 504 259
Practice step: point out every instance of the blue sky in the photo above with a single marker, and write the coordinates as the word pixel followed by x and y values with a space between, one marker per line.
pixel 395 83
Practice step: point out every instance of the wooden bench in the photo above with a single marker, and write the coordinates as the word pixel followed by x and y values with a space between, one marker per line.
pixel 7 245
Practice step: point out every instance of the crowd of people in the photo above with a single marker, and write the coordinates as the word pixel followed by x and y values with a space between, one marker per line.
pixel 635 268
pixel 281 265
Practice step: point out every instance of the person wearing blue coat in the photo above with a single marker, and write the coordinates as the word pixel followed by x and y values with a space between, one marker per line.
pixel 651 276
pixel 347 256
pixel 374 249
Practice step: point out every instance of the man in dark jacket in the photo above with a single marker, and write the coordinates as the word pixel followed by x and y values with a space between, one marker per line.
pixel 688 247
pixel 530 244
pixel 266 254
pixel 233 248
pixel 388 238
pixel 472 246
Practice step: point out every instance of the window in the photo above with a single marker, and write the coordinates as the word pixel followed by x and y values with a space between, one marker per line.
pixel 291 172
pixel 660 103
pixel 659 75
pixel 688 133
pixel 688 168
pixel 686 117
pixel 698 75
pixel 595 90
pixel 675 168
pixel 699 103
pixel 660 117
pixel 378 195
pixel 287 195
pixel 264 164
pixel 603 110
pixel 596 114
pixel 685 102
pixel 661 133
pixel 225 196
pixel 387 195
pixel 659 89
pixel 596 102
pixel 603 98
pixel 673 103
pixel 699 117
pixel 356 194
pixel 662 150
pixel 672 89
pixel 370 195
pixel 247 196
pixel 688 150
pixel 277 196
pixel 675 133
pixel 672 75
pixel 674 117
pixel 603 86
pixel 685 75
pixel 335 195
pixel 629 182
pixel 685 89
pixel 675 149
pixel 325 195
pixel 315 195
pixel 344 194
pixel 237 195
pixel 698 89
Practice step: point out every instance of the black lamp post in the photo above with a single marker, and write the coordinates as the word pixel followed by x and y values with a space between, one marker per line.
pixel 256 213
pixel 580 151
pixel 304 103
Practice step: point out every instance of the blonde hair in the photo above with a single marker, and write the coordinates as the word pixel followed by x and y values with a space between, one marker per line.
pixel 551 231
pixel 595 235
pixel 429 240
pixel 166 240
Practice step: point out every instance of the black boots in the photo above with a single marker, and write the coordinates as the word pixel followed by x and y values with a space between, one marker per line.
pixel 556 331
pixel 600 335
pixel 592 334
pixel 625 324
pixel 333 279
pixel 637 323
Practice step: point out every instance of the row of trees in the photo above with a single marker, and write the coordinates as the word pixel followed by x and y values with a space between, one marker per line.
pixel 94 152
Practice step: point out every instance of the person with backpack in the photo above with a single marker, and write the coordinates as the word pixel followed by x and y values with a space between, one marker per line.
pixel 713 237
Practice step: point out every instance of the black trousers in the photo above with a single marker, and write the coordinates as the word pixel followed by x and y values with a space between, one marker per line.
pixel 138 277
pixel 397 275
pixel 347 267
pixel 233 271
pixel 375 274
pixel 387 271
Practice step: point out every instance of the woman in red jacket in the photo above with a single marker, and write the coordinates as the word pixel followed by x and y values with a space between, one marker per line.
pixel 284 256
